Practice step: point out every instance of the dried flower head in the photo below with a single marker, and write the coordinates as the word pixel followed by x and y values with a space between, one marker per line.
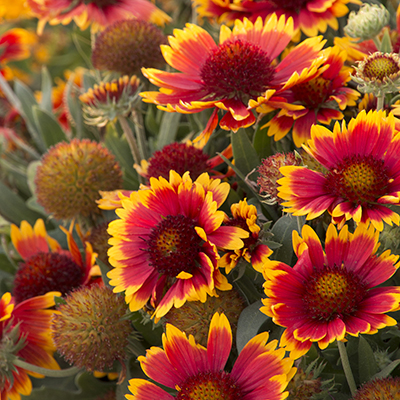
pixel 128 45
pixel 98 238
pixel 108 100
pixel 70 176
pixel 194 317
pixel 367 22
pixel 269 173
pixel 89 331
pixel 378 73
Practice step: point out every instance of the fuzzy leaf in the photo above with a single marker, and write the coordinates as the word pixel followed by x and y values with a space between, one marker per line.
pixel 28 101
pixel 387 370
pixel 250 321
pixel 367 366
pixel 282 231
pixel 169 129
pixel 246 157
pixel 46 102
pixel 13 208
pixel 50 130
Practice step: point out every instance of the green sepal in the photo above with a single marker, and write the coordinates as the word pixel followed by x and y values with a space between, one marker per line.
pixel 386 42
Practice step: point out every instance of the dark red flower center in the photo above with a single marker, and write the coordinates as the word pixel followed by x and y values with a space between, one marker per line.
pixel 237 69
pixel 210 386
pixel 361 180
pixel 45 272
pixel 292 5
pixel 333 293
pixel 101 3
pixel 313 93
pixel 241 223
pixel 179 157
pixel 173 245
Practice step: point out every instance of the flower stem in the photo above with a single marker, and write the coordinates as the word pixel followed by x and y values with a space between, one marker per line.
pixel 130 138
pixel 380 101
pixel 54 373
pixel 346 367
pixel 137 118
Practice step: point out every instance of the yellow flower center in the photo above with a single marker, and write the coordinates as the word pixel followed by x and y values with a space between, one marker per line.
pixel 210 386
pixel 236 69
pixel 173 245
pixel 332 293
pixel 381 66
pixel 360 180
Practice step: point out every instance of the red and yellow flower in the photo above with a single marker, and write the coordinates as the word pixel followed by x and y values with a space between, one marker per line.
pixel 327 295
pixel 46 266
pixel 245 216
pixel 323 94
pixel 99 14
pixel 362 172
pixel 24 333
pixel 226 76
pixel 164 244
pixel 260 372
pixel 309 16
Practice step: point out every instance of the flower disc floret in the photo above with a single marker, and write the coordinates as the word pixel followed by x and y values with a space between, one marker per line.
pixel 331 293
pixel 164 244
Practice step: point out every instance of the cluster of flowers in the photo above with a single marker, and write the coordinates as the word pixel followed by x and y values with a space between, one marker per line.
pixel 211 214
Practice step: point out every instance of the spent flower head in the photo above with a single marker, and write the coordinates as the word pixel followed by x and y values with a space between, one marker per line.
pixel 108 100
pixel 70 176
pixel 128 45
pixel 89 330
pixel 367 22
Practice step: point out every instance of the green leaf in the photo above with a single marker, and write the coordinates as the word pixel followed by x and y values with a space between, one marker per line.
pixel 250 321
pixel 13 208
pixel 262 143
pixel 74 108
pixel 168 130
pixel 367 366
pixel 49 128
pixel 282 231
pixel 46 102
pixel 104 269
pixel 151 333
pixel 119 147
pixel 28 101
pixel 87 388
pixel 246 157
